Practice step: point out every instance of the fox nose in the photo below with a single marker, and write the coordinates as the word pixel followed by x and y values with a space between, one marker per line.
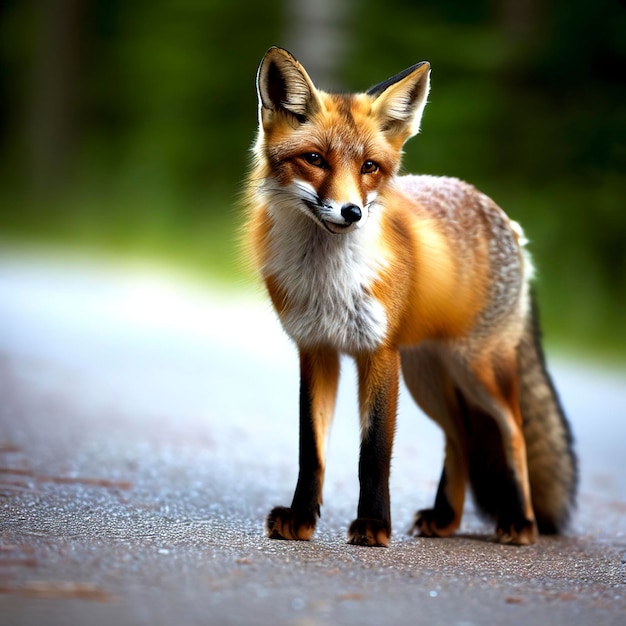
pixel 351 213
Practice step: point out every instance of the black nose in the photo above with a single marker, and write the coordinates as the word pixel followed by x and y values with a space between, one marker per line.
pixel 351 213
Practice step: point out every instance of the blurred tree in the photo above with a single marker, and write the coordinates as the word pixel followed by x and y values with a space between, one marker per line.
pixel 319 32
pixel 52 107
pixel 518 17
pixel 141 94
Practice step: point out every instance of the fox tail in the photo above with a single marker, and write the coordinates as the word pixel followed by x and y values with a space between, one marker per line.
pixel 552 463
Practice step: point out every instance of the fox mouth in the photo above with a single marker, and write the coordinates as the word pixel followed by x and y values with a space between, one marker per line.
pixel 332 227
pixel 335 229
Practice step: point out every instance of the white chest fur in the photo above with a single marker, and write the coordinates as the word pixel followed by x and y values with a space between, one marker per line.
pixel 326 279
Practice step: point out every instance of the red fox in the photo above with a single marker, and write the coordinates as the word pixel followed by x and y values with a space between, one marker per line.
pixel 419 274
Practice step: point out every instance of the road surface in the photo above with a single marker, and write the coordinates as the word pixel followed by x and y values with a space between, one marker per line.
pixel 147 425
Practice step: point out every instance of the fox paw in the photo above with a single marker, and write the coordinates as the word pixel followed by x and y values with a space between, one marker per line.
pixel 520 533
pixel 428 523
pixel 369 532
pixel 282 523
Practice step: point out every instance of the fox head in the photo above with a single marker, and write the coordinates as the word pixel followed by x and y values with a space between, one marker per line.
pixel 331 155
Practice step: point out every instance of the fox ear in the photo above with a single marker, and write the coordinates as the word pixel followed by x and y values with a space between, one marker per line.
pixel 284 87
pixel 399 101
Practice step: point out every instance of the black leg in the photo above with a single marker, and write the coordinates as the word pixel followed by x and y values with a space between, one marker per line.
pixel 319 374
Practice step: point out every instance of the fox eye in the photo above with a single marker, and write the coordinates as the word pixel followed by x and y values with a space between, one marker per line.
pixel 369 167
pixel 315 159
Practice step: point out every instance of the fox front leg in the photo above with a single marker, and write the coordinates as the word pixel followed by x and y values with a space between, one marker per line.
pixel 378 396
pixel 319 375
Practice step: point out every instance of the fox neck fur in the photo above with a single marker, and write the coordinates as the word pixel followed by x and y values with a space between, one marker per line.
pixel 326 281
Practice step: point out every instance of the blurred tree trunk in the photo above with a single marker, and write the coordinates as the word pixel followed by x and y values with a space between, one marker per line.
pixel 52 106
pixel 318 35
pixel 519 17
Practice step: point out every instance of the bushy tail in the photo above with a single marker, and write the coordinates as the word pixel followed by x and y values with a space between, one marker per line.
pixel 552 464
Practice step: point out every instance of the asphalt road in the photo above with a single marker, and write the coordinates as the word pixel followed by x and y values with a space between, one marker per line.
pixel 147 425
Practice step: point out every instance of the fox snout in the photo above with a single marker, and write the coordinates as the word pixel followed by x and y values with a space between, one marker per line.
pixel 342 218
pixel 335 216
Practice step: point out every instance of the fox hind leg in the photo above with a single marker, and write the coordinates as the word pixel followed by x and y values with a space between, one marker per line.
pixel 497 451
pixel 478 410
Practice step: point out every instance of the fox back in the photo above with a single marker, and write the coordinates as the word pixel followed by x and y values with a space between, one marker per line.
pixel 418 272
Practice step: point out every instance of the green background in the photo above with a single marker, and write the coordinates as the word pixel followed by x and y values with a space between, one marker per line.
pixel 125 127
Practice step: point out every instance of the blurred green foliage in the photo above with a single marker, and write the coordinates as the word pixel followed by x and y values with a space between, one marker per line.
pixel 126 126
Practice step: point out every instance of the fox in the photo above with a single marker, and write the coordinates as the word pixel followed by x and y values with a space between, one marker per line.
pixel 418 276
